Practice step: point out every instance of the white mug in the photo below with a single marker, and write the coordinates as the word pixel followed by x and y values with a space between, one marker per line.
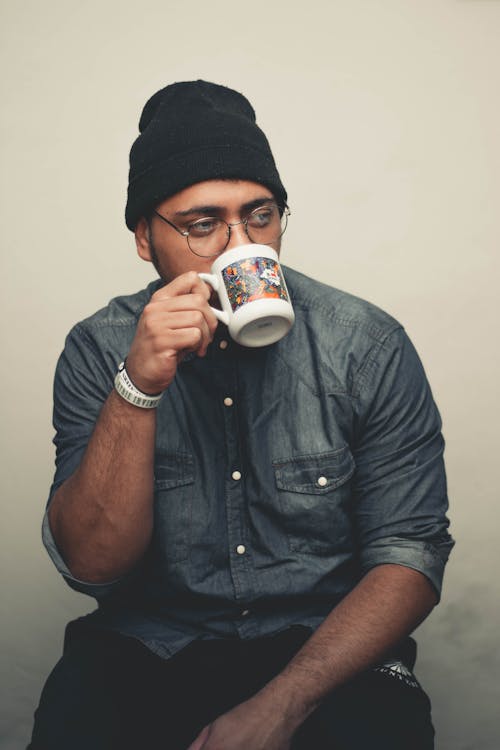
pixel 251 287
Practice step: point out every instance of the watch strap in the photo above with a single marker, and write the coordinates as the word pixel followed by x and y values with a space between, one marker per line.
pixel 128 391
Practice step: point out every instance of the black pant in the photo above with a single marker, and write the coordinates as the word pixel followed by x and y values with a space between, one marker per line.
pixel 110 692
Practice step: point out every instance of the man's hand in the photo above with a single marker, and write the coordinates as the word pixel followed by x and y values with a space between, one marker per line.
pixel 177 319
pixel 386 605
pixel 253 725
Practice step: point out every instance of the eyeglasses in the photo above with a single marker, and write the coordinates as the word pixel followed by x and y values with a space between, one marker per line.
pixel 210 236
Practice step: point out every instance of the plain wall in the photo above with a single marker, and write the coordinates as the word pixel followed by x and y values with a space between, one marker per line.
pixel 384 119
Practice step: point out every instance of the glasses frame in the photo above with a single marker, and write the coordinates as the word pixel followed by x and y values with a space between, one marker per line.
pixel 283 210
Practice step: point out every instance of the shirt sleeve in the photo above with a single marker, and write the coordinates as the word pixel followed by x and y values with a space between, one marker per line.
pixel 83 381
pixel 400 482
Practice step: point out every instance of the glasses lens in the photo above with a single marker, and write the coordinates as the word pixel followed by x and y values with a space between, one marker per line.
pixel 208 237
pixel 266 224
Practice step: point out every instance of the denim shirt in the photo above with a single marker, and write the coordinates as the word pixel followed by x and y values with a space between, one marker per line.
pixel 282 474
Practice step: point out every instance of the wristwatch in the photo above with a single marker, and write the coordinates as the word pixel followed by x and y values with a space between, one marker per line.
pixel 128 391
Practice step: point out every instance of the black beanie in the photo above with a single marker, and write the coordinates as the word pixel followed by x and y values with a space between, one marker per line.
pixel 191 132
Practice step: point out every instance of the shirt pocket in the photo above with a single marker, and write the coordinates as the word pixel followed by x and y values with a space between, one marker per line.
pixel 314 494
pixel 174 480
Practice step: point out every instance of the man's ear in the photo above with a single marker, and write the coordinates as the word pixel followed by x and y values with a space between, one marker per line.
pixel 142 240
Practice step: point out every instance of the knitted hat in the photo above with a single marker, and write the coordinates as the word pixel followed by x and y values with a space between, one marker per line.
pixel 191 132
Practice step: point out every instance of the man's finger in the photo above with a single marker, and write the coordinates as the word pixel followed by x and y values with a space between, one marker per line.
pixel 186 283
pixel 200 740
pixel 190 301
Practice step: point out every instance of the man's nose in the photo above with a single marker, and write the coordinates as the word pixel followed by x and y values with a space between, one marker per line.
pixel 238 235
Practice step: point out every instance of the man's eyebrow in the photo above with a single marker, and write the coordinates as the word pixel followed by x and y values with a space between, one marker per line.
pixel 203 210
pixel 215 210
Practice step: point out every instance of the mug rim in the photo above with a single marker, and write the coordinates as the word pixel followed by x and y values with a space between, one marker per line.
pixel 242 252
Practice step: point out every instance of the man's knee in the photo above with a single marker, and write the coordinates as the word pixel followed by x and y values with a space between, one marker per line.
pixel 76 707
pixel 373 711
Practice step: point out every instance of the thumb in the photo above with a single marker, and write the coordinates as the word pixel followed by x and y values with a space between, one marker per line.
pixel 200 740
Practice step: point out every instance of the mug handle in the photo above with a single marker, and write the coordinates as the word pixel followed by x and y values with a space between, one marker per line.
pixel 213 281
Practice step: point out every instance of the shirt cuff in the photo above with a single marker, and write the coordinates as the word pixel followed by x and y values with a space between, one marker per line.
pixel 97 590
pixel 426 557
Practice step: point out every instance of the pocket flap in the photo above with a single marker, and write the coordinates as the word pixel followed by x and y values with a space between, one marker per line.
pixel 173 470
pixel 315 474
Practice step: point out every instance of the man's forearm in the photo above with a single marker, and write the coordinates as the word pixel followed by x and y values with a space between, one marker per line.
pixel 387 604
pixel 102 516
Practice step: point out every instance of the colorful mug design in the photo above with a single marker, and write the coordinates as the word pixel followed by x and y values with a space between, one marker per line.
pixel 254 300
pixel 253 278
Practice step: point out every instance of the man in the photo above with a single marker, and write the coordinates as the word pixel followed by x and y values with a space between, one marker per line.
pixel 262 528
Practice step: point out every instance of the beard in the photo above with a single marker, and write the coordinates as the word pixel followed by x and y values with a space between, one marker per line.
pixel 154 253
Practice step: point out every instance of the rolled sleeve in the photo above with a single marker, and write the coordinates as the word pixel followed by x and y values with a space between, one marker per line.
pixel 97 590
pixel 400 482
pixel 428 559
pixel 82 383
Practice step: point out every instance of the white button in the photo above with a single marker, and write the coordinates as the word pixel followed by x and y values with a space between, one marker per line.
pixel 223 344
pixel 241 549
pixel 236 475
pixel 322 481
pixel 228 401
pixel 245 612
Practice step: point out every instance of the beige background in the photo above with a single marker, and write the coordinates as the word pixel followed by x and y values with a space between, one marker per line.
pixel 384 118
